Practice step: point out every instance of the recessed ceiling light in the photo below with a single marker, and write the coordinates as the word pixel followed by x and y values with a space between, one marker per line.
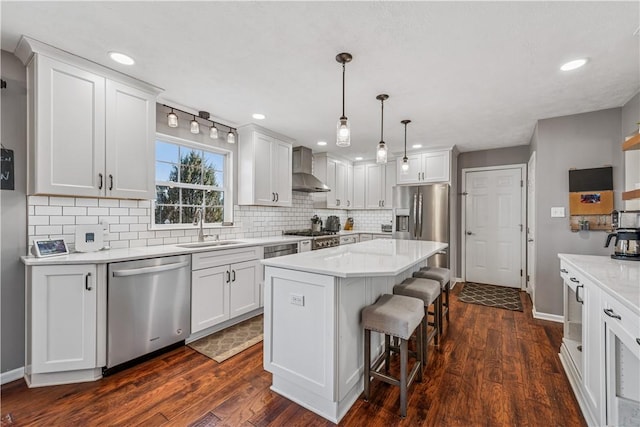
pixel 572 65
pixel 357 159
pixel 121 58
pixel 322 143
pixel 258 116
pixel 416 146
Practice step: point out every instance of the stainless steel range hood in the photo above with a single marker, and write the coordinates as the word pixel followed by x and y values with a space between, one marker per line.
pixel 302 178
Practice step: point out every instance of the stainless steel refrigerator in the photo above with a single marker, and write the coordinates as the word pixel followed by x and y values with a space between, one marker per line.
pixel 421 212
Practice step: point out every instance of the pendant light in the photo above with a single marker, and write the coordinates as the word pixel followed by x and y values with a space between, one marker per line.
pixel 172 119
pixel 405 161
pixel 381 155
pixel 213 132
pixel 195 127
pixel 231 138
pixel 343 129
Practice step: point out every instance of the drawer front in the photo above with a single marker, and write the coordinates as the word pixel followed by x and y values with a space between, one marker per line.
pixel 221 257
pixel 629 321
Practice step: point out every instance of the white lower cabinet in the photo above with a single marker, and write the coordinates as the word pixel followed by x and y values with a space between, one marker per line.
pixel 64 334
pixel 224 285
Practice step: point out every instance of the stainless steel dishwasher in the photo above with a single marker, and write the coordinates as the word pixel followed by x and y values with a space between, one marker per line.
pixel 148 306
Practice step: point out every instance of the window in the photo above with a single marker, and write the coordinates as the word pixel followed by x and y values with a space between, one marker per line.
pixel 191 176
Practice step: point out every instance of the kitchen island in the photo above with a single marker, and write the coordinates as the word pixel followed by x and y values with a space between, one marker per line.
pixel 313 339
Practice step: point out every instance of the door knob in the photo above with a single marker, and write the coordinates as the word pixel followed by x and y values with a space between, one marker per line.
pixel 529 240
pixel 469 233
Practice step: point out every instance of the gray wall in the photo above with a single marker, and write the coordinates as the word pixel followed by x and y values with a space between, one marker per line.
pixel 579 141
pixel 477 159
pixel 631 115
pixel 13 232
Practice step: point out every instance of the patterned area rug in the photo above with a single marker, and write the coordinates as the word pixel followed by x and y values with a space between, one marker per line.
pixel 491 295
pixel 231 341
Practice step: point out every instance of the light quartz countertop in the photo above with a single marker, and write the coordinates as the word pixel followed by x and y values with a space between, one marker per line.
pixel 117 255
pixel 380 257
pixel 619 278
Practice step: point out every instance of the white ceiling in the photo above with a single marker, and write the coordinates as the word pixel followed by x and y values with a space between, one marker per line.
pixel 472 74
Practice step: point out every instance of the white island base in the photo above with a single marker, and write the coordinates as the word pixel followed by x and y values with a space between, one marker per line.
pixel 313 338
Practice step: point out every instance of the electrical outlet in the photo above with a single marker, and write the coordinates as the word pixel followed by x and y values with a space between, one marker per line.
pixel 296 299
pixel 557 212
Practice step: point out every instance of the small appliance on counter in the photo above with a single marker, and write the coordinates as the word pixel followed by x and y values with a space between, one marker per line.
pixel 332 223
pixel 627 235
pixel 386 228
pixel 348 225
pixel 316 223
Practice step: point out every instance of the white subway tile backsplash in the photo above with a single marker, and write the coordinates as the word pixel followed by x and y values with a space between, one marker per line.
pixel 128 203
pixel 129 221
pixel 59 220
pixel 86 202
pixel 74 210
pixel 98 211
pixel 61 201
pixel 108 203
pixel 48 210
pixel 48 229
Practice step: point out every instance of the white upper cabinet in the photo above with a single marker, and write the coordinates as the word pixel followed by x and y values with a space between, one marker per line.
pixel 379 182
pixel 359 184
pixel 425 168
pixel 91 129
pixel 335 173
pixel 264 167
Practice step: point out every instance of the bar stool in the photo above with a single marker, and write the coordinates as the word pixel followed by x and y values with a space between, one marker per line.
pixel 442 275
pixel 397 316
pixel 428 291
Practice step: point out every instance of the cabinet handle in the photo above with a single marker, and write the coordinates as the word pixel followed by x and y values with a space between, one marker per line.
pixel 574 280
pixel 580 300
pixel 348 202
pixel 418 176
pixel 234 275
pixel 609 312
pixel 86 282
pixel 277 197
pixel 383 203
pixel 562 270
pixel 100 185
pixel 337 202
pixel 638 341
pixel 273 197
pixel 110 182
pixel 423 176
pixel 228 276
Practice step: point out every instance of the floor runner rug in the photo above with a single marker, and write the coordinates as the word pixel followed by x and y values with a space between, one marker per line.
pixel 491 295
pixel 231 341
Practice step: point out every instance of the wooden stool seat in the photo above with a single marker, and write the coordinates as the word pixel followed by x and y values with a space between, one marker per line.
pixel 395 316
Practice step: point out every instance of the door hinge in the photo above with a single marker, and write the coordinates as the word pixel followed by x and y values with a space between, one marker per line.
pixel 520 272
pixel 521 183
pixel 527 278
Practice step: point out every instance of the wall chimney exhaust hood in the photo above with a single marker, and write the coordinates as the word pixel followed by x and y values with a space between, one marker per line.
pixel 302 178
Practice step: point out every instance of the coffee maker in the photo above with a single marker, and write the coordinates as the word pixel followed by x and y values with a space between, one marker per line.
pixel 627 235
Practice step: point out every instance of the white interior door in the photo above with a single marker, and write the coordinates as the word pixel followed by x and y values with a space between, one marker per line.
pixel 531 226
pixel 493 221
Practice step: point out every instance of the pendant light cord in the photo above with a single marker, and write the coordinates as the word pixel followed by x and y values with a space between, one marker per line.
pixel 405 140
pixel 343 73
pixel 382 121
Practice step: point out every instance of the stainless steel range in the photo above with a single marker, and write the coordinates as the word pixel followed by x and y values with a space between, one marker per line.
pixel 320 239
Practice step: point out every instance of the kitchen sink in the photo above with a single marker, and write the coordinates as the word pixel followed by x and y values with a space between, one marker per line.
pixel 210 244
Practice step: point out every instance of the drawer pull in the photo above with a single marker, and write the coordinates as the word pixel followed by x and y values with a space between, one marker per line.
pixel 574 280
pixel 228 276
pixel 563 270
pixel 609 312
pixel 86 282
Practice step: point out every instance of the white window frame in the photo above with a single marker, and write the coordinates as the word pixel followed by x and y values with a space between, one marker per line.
pixel 227 187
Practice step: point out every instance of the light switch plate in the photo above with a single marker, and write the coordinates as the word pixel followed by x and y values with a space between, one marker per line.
pixel 557 212
pixel 296 299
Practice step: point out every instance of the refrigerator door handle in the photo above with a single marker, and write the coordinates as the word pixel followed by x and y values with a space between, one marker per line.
pixel 420 213
pixel 415 215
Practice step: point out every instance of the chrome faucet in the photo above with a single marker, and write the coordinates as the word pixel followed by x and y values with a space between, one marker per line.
pixel 198 219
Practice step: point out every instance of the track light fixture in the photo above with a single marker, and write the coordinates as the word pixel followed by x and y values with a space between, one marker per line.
pixel 172 119
pixel 405 160
pixel 381 154
pixel 194 124
pixel 343 131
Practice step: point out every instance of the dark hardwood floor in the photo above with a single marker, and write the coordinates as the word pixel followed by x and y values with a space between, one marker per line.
pixel 495 368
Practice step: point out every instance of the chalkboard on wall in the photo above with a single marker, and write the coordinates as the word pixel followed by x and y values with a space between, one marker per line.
pixel 6 169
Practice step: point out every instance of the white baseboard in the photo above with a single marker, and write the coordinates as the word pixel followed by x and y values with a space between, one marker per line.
pixel 546 316
pixel 7 377
pixel 455 281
